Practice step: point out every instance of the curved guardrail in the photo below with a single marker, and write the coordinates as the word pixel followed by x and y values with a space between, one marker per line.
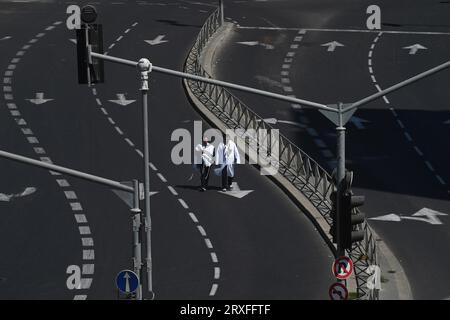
pixel 294 164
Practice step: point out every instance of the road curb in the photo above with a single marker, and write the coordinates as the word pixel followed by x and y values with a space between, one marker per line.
pixel 399 288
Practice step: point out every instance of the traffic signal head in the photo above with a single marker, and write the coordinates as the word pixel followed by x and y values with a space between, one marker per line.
pixel 90 71
pixel 350 218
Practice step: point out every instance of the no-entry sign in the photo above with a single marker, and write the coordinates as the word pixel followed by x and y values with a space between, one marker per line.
pixel 342 268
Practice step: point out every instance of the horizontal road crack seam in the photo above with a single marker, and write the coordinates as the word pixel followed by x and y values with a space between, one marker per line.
pixel 400 123
pixel 182 202
pixel 40 151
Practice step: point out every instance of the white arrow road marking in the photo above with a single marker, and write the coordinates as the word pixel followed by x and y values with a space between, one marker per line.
pixel 121 100
pixel 257 43
pixel 431 216
pixel 39 99
pixel 157 40
pixel 5 38
pixel 332 45
pixel 73 40
pixel 388 217
pixel 414 48
pixel 9 197
pixel 358 122
pixel 237 192
pixel 425 215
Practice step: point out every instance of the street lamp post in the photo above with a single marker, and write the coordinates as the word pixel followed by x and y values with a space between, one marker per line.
pixel 340 175
pixel 137 258
pixel 145 67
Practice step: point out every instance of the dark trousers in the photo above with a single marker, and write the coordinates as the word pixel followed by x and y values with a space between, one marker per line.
pixel 226 180
pixel 204 172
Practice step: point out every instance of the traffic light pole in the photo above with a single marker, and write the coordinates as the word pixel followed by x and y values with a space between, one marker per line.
pixel 137 227
pixel 88 48
pixel 340 176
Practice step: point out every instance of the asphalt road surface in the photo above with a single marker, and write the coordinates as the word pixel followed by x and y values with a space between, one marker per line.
pixel 205 245
pixel 397 146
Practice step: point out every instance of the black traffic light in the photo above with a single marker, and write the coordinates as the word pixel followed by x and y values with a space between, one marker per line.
pixel 90 34
pixel 96 69
pixel 350 218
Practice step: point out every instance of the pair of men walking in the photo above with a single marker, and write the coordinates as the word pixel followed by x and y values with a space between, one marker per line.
pixel 226 156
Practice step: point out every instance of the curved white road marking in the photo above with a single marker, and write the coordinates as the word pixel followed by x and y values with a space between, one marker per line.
pixel 40 151
pixel 285 78
pixel 208 244
pixel 395 114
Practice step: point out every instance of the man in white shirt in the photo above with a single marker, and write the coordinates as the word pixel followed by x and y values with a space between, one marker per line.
pixel 227 155
pixel 206 151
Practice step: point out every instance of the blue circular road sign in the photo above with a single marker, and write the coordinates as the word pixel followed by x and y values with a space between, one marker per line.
pixel 127 281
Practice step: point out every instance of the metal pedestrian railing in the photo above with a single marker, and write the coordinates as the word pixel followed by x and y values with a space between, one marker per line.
pixel 303 172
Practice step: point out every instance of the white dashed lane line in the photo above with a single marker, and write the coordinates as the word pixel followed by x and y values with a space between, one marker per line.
pixel 287 88
pixel 400 123
pixel 70 195
pixel 201 230
pixel 182 202
pixel 193 217
pixel 161 177
pixel 213 290
pixel 172 190
pixel 139 152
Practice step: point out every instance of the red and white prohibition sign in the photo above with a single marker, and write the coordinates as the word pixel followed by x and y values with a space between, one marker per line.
pixel 338 291
pixel 342 268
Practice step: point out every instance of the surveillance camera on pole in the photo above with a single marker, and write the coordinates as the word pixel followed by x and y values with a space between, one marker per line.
pixel 89 38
